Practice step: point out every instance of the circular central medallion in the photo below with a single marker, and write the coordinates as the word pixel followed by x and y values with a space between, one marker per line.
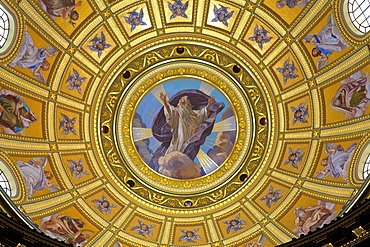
pixel 184 128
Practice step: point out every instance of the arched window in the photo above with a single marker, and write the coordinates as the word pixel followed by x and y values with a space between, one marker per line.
pixel 8 29
pixel 4 183
pixel 4 27
pixel 7 180
pixel 359 13
pixel 366 170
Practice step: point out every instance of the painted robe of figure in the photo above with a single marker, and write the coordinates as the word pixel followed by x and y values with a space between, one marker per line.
pixel 184 123
pixel 66 228
pixel 14 113
pixel 29 55
pixel 184 131
pixel 34 175
pixel 338 159
pixel 353 97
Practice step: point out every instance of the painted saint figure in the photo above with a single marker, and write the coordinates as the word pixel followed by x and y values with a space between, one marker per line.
pixel 326 42
pixel 353 96
pixel 61 8
pixel 15 115
pixel 183 124
pixel 337 161
pixel 31 57
pixel 291 3
pixel 183 120
pixel 36 178
pixel 65 228
pixel 313 217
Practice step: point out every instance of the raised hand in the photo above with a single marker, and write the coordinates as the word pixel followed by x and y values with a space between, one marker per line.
pixel 163 96
pixel 211 100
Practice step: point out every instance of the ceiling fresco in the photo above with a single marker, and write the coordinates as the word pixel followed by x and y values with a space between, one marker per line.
pixel 183 122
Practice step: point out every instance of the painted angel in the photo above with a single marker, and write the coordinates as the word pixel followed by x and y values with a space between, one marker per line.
pixel 75 81
pixel 135 19
pixel 104 205
pixel 33 58
pixel 67 125
pixel 272 196
pixel 235 224
pixel 294 157
pixel 299 113
pixel 77 168
pixel 143 229
pixel 99 44
pixel 189 236
pixel 327 41
pixel 178 8
pixel 221 14
pixel 287 71
pixel 260 36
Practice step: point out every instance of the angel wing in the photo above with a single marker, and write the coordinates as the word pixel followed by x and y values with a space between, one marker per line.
pixel 141 14
pixel 255 31
pixel 97 200
pixel 229 15
pixel 301 105
pixel 215 11
pixel 299 150
pixel 102 38
pixel 186 5
pixel 286 63
pixel 150 233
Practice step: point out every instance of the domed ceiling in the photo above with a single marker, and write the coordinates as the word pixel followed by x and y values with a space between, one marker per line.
pixel 183 122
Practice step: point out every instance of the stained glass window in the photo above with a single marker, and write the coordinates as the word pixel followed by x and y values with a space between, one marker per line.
pixel 4 27
pixel 4 183
pixel 359 12
pixel 367 167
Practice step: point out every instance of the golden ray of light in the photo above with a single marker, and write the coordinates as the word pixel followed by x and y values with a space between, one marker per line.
pixel 157 90
pixel 214 144
pixel 227 124
pixel 211 139
pixel 206 88
pixel 142 133
pixel 206 162
pixel 155 145
pixel 150 113
pixel 208 146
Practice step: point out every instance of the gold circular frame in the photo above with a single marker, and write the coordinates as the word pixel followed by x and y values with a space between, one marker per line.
pixel 165 72
pixel 151 69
